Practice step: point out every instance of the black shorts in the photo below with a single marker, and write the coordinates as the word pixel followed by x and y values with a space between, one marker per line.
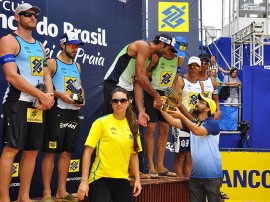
pixel 62 130
pixel 181 140
pixel 23 126
pixel 153 113
pixel 107 189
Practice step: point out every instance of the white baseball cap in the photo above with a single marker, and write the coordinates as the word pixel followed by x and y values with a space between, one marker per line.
pixel 26 7
pixel 70 37
pixel 194 59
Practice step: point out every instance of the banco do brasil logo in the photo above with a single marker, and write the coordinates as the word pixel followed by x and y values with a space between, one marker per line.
pixel 173 17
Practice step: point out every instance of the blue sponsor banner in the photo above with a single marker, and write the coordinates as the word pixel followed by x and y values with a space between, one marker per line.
pixel 105 27
pixel 178 18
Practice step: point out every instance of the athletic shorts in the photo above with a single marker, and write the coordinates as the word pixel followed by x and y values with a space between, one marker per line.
pixel 110 189
pixel 23 126
pixel 181 140
pixel 153 113
pixel 62 130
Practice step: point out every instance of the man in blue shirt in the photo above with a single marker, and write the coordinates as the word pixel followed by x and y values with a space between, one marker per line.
pixel 206 175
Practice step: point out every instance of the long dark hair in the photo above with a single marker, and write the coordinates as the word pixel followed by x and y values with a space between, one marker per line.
pixel 131 118
pixel 232 70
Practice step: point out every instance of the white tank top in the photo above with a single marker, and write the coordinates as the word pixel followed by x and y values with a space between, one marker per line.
pixel 190 93
pixel 208 87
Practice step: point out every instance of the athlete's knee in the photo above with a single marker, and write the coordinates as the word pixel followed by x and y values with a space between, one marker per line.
pixel 65 155
pixel 9 152
pixel 50 156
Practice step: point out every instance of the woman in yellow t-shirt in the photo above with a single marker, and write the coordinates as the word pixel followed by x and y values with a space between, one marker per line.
pixel 117 142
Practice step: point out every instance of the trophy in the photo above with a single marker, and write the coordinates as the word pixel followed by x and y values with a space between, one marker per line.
pixel 43 88
pixel 76 90
pixel 172 100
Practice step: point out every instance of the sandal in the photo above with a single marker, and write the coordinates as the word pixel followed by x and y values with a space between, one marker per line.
pixel 224 196
pixel 67 198
pixel 47 199
pixel 167 173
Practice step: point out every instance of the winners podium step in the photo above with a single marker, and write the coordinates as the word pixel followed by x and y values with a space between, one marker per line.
pixel 164 189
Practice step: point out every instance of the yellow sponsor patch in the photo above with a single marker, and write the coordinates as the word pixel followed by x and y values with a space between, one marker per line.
pixel 192 100
pixel 74 165
pixel 36 64
pixel 15 170
pixel 34 115
pixel 173 17
pixel 165 79
pixel 52 145
pixel 68 81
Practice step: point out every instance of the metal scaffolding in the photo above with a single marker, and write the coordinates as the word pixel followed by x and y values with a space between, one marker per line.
pixel 253 36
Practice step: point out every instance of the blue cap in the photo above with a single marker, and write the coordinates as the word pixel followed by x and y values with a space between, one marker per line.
pixel 180 45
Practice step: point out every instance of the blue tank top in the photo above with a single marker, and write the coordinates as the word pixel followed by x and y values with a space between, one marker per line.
pixel 64 75
pixel 29 62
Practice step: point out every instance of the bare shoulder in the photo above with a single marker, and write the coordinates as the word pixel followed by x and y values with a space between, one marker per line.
pixel 9 45
pixel 139 47
pixel 51 62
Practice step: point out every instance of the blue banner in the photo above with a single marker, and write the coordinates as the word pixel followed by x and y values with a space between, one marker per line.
pixel 105 27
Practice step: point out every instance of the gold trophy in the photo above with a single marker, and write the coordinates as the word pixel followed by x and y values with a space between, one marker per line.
pixel 172 99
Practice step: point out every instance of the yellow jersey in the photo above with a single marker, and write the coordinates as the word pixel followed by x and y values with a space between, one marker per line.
pixel 113 141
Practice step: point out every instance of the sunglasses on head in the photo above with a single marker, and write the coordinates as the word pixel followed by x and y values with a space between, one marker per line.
pixel 194 66
pixel 29 14
pixel 72 46
pixel 116 101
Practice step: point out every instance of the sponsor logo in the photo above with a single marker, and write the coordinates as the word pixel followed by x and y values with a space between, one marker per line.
pixel 36 65
pixel 113 130
pixel 52 145
pixel 170 146
pixel 14 185
pixel 15 169
pixel 74 165
pixel 165 78
pixel 173 16
pixel 34 115
pixel 68 125
pixel 68 82
pixel 74 179
pixel 247 178
pixel 193 97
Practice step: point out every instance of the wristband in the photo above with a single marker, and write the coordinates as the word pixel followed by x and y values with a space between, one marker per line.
pixel 178 69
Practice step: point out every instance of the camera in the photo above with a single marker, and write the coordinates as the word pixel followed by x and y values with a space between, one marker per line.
pixel 244 127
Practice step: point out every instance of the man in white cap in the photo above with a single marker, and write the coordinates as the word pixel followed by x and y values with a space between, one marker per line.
pixel 62 122
pixel 24 64
pixel 189 87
